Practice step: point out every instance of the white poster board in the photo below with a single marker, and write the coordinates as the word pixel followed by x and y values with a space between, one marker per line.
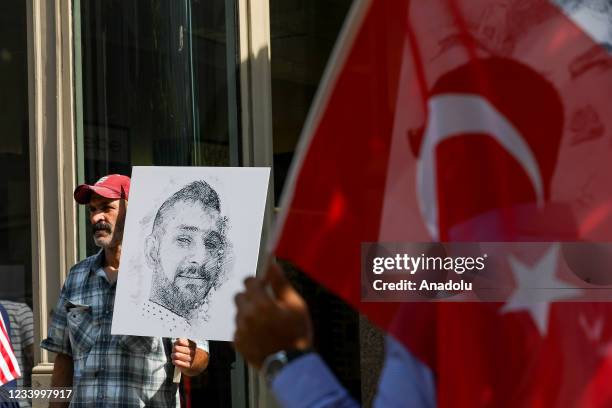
pixel 191 237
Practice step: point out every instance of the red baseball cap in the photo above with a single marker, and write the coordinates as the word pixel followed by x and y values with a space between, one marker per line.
pixel 111 186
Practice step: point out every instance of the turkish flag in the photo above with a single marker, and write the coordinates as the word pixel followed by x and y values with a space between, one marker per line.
pixel 464 120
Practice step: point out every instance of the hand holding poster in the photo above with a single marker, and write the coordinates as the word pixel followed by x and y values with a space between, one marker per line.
pixel 191 237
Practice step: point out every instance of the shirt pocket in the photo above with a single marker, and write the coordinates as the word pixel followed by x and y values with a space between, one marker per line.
pixel 139 344
pixel 81 328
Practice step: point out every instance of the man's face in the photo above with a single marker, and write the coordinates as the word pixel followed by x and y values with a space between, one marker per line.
pixel 190 253
pixel 107 217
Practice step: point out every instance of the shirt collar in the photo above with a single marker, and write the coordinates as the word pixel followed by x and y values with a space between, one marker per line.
pixel 97 267
pixel 168 318
pixel 97 262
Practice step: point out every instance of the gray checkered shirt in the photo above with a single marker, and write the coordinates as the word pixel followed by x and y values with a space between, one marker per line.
pixel 109 371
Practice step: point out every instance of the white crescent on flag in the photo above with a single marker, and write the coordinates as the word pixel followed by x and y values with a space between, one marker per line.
pixel 452 115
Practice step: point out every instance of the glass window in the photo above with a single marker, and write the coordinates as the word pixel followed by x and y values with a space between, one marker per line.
pixel 303 33
pixel 15 237
pixel 156 85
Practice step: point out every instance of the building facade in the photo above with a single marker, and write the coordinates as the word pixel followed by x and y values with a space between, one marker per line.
pixel 92 87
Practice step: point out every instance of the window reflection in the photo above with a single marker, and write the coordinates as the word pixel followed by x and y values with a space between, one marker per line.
pixel 155 84
pixel 303 34
pixel 15 238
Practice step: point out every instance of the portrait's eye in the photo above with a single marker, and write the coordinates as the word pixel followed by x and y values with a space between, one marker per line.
pixel 183 240
pixel 212 242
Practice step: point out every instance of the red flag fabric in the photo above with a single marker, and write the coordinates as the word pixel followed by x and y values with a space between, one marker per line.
pixel 9 368
pixel 463 120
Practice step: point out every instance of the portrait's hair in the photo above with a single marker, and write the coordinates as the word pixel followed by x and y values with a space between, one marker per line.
pixel 196 192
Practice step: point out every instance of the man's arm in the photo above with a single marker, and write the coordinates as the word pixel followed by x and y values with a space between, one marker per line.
pixel 308 382
pixel 62 376
pixel 189 358
pixel 271 316
pixel 270 321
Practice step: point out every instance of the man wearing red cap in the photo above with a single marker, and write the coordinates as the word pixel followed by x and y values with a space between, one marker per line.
pixel 108 370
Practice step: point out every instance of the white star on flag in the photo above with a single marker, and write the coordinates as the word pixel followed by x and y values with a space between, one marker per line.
pixel 537 286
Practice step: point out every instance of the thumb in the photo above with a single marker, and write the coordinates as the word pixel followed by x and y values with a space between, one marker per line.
pixel 181 342
pixel 275 277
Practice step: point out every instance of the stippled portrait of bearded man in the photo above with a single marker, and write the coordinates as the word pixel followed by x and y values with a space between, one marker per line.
pixel 188 253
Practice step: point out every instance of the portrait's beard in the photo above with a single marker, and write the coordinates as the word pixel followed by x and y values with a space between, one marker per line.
pixel 187 292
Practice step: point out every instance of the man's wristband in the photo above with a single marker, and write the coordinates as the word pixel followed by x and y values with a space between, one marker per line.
pixel 274 363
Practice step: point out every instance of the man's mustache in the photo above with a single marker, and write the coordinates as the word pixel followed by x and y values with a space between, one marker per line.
pixel 102 226
pixel 194 272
